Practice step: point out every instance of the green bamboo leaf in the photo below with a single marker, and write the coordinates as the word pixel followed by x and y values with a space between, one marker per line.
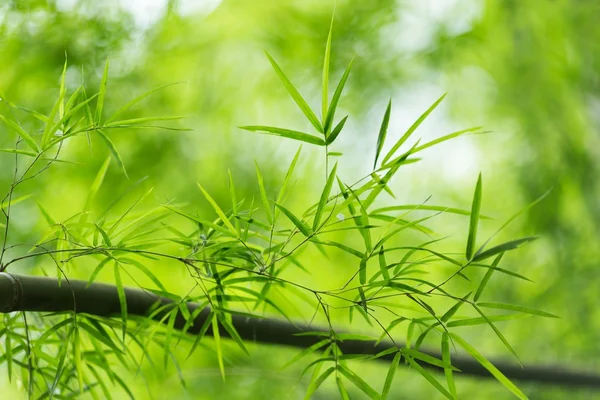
pixel 382 132
pixel 234 209
pixel 324 197
pixel 336 131
pixel 315 384
pixel 14 201
pixel 302 227
pixel 24 135
pixel 390 375
pixel 412 353
pixel 448 371
pixel 104 235
pixel 501 248
pixel 263 195
pixel 325 81
pixel 488 365
pixel 207 322
pixel 383 264
pixel 483 321
pixel 450 313
pixel 137 121
pixel 410 130
pixel 513 307
pixel 113 150
pixel 218 210
pixel 232 333
pixel 358 382
pixel 487 277
pixel 497 332
pixel 19 151
pixel 296 95
pixel 425 207
pixel 307 351
pixel 287 133
pixel 343 392
pixel 474 221
pixel 122 297
pixel 474 130
pixel 136 100
pixel 217 338
pixel 429 377
pixel 335 100
pixel 281 196
pixel 101 94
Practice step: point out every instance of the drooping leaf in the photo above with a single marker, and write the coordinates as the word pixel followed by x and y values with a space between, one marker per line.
pixel 325 80
pixel 487 277
pixel 101 94
pixel 447 361
pixel 514 307
pixel 21 132
pixel 488 365
pixel 113 150
pixel 302 227
pixel 389 379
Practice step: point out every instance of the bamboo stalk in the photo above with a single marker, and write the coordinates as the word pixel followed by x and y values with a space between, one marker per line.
pixel 44 294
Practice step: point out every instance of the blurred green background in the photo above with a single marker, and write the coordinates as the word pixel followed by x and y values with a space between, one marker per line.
pixel 527 71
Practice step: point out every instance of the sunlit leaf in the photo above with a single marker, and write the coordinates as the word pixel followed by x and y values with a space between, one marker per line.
pixel 382 132
pixel 474 221
pixel 296 95
pixel 324 197
pixel 287 133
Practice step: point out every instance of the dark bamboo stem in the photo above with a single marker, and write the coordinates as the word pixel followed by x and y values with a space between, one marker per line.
pixel 43 294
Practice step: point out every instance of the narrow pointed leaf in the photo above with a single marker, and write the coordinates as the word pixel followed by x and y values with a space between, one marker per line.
pixel 325 80
pixel 302 227
pixel 101 94
pixel 382 132
pixel 336 131
pixel 287 133
pixel 135 101
pixel 513 307
pixel 474 221
pixel 335 99
pixel 488 365
pixel 113 150
pixel 410 130
pixel 487 277
pixel 263 195
pixel 501 248
pixel 390 375
pixel 447 361
pixel 296 95
pixel 324 197
pixel 24 135
pixel 218 210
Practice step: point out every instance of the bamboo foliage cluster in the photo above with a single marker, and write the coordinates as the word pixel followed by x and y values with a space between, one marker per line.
pixel 237 260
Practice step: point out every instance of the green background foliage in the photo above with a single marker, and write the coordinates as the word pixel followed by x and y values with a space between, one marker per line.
pixel 527 71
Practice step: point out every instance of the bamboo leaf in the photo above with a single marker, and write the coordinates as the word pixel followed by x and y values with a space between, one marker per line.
pixel 296 95
pixel 101 94
pixel 410 130
pixel 450 313
pixel 447 361
pixel 358 382
pixel 263 195
pixel 487 277
pixel 382 132
pixel 218 210
pixel 487 365
pixel 335 100
pixel 501 248
pixel 336 132
pixel 314 385
pixel 302 227
pixel 24 135
pixel 325 80
pixel 390 375
pixel 513 307
pixel 429 377
pixel 474 221
pixel 324 197
pixel 113 150
pixel 135 101
pixel 122 297
pixel 287 133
